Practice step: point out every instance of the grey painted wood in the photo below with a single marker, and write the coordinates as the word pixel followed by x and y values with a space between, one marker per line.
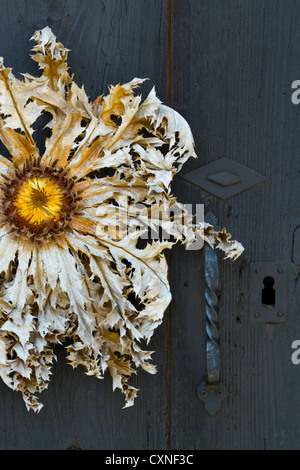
pixel 111 42
pixel 233 64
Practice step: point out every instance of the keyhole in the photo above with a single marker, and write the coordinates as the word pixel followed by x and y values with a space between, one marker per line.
pixel 268 292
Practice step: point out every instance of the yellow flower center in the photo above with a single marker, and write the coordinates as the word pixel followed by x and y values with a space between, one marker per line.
pixel 39 200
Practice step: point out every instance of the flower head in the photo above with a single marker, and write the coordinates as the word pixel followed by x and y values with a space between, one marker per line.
pixel 72 218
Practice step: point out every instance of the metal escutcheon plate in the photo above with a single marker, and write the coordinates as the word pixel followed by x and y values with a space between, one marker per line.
pixel 212 396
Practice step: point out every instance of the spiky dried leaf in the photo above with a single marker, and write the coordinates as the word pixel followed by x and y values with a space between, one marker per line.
pixel 72 264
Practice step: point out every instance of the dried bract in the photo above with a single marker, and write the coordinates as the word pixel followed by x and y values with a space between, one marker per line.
pixel 75 261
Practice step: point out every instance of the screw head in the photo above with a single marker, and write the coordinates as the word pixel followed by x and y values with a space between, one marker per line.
pixel 280 314
pixel 280 270
pixel 256 315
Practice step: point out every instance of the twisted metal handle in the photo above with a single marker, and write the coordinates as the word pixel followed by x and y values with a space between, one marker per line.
pixel 211 391
pixel 212 318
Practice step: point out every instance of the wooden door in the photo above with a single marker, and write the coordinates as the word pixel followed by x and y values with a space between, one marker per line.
pixel 228 67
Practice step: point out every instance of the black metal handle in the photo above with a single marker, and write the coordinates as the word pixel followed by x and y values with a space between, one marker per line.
pixel 212 319
pixel 211 391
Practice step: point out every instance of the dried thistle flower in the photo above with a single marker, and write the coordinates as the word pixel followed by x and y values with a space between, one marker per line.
pixel 71 220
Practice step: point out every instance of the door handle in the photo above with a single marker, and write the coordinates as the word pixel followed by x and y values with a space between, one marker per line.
pixel 211 391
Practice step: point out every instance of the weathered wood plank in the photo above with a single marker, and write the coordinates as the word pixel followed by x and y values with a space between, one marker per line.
pixel 232 67
pixel 111 42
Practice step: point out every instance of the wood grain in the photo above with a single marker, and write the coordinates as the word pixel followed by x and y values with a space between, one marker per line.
pixel 227 66
pixel 233 65
pixel 110 42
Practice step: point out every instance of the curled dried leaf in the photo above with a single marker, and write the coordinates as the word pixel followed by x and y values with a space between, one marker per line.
pixel 86 223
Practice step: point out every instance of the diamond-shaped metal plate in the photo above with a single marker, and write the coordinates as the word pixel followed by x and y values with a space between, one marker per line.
pixel 224 178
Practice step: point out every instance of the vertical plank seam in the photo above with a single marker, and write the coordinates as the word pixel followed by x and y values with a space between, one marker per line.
pixel 169 90
pixel 169 54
